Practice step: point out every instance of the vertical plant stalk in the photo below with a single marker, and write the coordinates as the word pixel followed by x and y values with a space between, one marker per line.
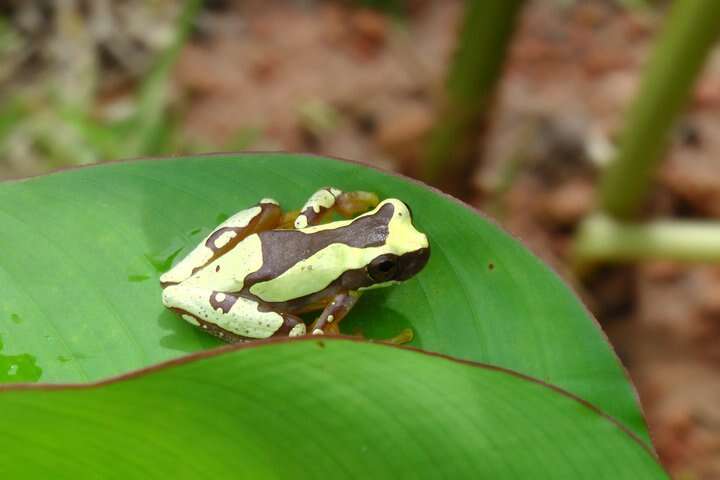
pixel 691 29
pixel 153 95
pixel 471 83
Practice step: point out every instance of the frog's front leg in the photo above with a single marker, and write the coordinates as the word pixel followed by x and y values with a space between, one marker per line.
pixel 230 317
pixel 265 215
pixel 328 321
pixel 328 199
pixel 334 312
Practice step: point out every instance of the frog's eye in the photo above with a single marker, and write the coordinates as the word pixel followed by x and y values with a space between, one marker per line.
pixel 383 268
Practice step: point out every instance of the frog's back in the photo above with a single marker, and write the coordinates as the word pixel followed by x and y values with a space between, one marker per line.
pixel 227 272
pixel 222 239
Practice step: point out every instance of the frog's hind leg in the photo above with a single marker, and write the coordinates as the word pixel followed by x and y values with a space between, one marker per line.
pixel 329 199
pixel 230 317
pixel 265 215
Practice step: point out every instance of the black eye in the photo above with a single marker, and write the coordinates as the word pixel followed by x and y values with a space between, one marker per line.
pixel 386 266
pixel 383 268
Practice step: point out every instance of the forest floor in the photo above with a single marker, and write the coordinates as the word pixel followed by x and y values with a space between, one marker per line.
pixel 357 84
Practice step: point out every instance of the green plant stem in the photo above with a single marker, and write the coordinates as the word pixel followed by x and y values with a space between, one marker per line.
pixel 601 238
pixel 153 95
pixel 482 47
pixel 692 27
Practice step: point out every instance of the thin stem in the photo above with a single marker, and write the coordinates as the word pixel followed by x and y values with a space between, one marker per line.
pixel 601 238
pixel 692 28
pixel 153 96
pixel 482 47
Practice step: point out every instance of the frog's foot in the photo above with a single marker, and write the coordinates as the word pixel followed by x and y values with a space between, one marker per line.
pixel 329 199
pixel 406 335
pixel 332 329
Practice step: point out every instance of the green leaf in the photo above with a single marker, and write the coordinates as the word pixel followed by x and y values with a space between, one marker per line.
pixel 81 251
pixel 315 409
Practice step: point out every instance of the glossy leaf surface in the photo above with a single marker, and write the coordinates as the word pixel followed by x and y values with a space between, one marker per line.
pixel 315 409
pixel 81 252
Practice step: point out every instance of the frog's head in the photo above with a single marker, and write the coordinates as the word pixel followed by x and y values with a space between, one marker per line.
pixel 405 251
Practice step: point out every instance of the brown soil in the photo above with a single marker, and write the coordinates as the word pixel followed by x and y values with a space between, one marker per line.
pixel 571 76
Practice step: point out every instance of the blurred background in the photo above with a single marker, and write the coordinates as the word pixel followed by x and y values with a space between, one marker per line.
pixel 516 107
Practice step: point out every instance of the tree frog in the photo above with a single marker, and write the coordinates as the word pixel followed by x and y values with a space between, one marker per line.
pixel 256 272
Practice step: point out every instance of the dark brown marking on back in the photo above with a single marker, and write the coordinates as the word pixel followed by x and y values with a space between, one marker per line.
pixel 268 218
pixel 226 304
pixel 210 242
pixel 281 249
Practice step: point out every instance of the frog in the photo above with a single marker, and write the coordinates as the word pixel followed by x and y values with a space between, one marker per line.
pixel 255 274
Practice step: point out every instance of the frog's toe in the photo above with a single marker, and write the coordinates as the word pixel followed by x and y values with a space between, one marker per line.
pixel 298 330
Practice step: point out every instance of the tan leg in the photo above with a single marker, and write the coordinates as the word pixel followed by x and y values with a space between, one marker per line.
pixel 326 200
pixel 288 219
pixel 332 329
pixel 349 204
pixel 406 335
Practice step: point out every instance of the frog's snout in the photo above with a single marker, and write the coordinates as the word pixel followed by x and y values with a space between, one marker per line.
pixel 412 262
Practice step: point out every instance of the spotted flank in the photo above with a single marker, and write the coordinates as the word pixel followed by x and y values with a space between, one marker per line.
pixel 235 314
pixel 318 203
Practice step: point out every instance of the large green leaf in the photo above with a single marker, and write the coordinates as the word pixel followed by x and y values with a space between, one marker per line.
pixel 80 253
pixel 315 409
